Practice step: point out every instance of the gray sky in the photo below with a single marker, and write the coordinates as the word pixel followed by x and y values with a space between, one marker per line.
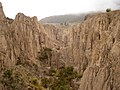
pixel 45 8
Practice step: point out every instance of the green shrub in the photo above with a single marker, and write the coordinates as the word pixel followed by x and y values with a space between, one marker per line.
pixel 7 73
pixel 65 72
pixel 12 81
pixel 52 72
pixel 65 76
pixel 44 54
pixel 34 84
pixel 60 79
pixel 63 88
pixel 34 81
pixel 45 82
pixel 108 9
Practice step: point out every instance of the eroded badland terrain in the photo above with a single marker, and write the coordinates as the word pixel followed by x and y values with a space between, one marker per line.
pixel 37 56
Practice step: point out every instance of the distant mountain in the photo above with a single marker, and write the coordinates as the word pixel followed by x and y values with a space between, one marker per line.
pixel 64 18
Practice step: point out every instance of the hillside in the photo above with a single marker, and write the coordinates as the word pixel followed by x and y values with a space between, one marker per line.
pixel 38 56
pixel 64 18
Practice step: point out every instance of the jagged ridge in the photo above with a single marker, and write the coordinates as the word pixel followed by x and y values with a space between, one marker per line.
pixel 91 47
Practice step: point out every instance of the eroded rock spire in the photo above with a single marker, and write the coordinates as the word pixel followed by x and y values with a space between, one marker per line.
pixel 2 15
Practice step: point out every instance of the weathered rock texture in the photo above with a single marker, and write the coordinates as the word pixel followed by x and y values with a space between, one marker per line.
pixel 91 47
pixel 20 41
pixel 2 15
pixel 94 50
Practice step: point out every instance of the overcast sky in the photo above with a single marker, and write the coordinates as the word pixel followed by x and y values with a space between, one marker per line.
pixel 45 8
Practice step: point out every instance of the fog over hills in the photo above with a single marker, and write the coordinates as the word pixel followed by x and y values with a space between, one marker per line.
pixel 83 55
pixel 64 18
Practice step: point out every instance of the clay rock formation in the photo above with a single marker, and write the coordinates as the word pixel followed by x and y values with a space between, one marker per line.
pixel 20 41
pixel 2 15
pixel 102 39
pixel 92 47
pixel 22 38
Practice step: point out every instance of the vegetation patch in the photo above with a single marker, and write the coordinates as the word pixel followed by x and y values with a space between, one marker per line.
pixel 108 9
pixel 11 80
pixel 44 54
pixel 61 79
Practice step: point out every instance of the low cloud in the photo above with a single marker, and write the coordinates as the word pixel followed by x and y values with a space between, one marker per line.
pixel 117 3
pixel 103 4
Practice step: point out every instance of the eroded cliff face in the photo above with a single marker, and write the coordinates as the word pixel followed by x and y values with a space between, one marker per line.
pixel 22 38
pixel 92 47
pixel 94 50
pixel 20 41
pixel 103 47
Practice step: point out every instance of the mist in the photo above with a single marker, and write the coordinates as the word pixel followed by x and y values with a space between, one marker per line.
pixel 45 8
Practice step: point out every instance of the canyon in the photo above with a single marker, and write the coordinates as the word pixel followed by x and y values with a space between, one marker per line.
pixel 29 49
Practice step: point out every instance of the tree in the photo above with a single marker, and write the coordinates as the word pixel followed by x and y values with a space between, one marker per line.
pixel 108 9
pixel 45 55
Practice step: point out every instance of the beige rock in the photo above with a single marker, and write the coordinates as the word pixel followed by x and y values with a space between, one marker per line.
pixel 2 15
pixel 92 47
pixel 95 42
